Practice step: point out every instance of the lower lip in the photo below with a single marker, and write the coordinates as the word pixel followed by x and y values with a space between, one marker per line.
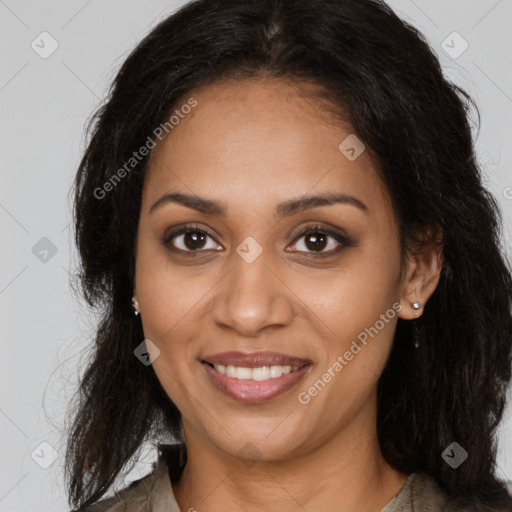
pixel 252 391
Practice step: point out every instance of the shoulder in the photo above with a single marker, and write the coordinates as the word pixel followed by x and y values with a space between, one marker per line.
pixel 427 495
pixel 135 496
pixel 422 493
pixel 152 492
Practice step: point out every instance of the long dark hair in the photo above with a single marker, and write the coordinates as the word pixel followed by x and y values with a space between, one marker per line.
pixel 385 79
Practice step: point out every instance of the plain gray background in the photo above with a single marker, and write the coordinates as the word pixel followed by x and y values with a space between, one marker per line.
pixel 45 103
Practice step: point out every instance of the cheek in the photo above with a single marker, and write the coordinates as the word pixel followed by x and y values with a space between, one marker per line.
pixel 167 294
pixel 168 298
pixel 350 301
pixel 357 348
pixel 352 297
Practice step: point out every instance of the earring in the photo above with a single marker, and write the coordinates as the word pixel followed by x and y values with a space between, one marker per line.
pixel 135 305
pixel 415 334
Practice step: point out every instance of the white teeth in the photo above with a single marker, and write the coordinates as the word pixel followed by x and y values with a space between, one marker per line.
pixel 258 374
pixel 276 371
pixel 243 373
pixel 261 373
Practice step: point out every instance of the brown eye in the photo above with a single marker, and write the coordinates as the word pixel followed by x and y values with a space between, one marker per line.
pixel 189 239
pixel 193 240
pixel 318 239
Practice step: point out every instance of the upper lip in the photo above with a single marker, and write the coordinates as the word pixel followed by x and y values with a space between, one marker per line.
pixel 255 359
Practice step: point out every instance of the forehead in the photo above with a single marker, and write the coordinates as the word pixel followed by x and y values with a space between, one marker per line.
pixel 256 142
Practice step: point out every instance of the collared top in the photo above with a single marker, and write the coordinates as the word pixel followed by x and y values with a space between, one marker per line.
pixel 153 493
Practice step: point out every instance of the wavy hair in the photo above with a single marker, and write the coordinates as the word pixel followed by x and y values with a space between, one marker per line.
pixel 386 81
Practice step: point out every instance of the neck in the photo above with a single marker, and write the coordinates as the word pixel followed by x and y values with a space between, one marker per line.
pixel 345 469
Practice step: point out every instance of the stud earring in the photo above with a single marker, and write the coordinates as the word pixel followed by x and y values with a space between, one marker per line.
pixel 416 305
pixel 135 305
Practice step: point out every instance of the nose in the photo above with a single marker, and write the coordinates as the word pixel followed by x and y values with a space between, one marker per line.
pixel 252 298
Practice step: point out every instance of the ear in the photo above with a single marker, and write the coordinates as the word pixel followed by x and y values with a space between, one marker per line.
pixel 421 273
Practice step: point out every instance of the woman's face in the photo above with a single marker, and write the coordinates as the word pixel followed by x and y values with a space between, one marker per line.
pixel 297 305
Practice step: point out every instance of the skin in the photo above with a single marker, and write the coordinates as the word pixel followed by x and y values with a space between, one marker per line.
pixel 252 145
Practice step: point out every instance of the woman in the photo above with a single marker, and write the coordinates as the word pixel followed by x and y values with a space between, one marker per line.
pixel 286 194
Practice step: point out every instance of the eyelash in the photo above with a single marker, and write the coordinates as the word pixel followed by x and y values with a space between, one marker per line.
pixel 340 238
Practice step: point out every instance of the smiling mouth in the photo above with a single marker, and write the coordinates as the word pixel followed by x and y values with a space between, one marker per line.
pixel 255 377
pixel 257 373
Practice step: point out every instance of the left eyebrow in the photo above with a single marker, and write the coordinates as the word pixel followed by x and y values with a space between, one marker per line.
pixel 294 206
pixel 284 209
